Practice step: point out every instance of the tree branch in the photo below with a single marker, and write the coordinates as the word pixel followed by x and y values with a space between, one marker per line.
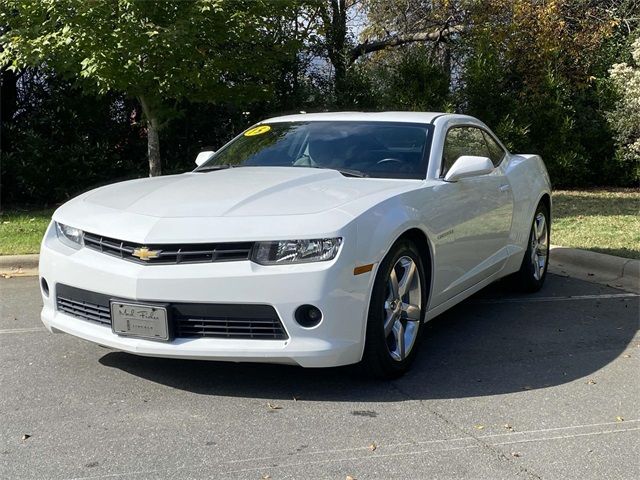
pixel 395 41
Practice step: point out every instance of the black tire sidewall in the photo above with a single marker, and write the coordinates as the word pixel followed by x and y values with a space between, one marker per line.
pixel 527 279
pixel 376 358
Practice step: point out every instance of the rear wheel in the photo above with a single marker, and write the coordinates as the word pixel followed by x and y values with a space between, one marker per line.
pixel 396 312
pixel 533 270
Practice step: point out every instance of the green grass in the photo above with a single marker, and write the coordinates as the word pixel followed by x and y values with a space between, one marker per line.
pixel 602 220
pixel 606 221
pixel 22 231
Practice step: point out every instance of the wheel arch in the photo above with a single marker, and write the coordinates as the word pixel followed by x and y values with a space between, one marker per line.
pixel 546 199
pixel 425 248
pixel 420 238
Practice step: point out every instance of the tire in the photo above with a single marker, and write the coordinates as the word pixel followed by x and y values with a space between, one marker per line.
pixel 403 313
pixel 533 270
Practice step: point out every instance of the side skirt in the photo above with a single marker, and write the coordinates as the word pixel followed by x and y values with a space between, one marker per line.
pixel 434 312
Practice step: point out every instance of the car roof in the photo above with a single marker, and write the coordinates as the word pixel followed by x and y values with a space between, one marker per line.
pixel 410 117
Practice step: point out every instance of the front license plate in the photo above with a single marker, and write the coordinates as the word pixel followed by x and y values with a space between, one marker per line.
pixel 135 320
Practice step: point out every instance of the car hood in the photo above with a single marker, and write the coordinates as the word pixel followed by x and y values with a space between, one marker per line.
pixel 239 192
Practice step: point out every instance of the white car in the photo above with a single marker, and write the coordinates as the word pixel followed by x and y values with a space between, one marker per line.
pixel 313 239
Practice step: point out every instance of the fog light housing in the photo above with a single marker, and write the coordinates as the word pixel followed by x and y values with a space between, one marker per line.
pixel 45 287
pixel 308 316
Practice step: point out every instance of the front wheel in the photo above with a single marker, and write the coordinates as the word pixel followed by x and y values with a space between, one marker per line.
pixel 396 313
pixel 533 270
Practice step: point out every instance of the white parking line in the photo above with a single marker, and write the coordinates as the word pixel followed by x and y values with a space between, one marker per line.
pixel 496 436
pixel 425 451
pixel 606 296
pixel 379 455
pixel 9 331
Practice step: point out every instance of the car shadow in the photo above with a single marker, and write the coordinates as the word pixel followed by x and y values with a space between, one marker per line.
pixel 496 342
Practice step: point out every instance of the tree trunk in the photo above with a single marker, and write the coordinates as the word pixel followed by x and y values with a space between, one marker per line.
pixel 153 148
pixel 153 139
pixel 335 21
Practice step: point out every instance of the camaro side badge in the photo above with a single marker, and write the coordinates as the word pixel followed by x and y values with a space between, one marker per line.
pixel 145 254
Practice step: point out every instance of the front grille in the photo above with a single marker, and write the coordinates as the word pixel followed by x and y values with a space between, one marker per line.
pixel 186 320
pixel 170 253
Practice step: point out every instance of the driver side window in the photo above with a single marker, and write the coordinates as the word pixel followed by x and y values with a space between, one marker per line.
pixel 462 141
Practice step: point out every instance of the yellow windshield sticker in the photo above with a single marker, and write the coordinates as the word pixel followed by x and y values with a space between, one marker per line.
pixel 259 130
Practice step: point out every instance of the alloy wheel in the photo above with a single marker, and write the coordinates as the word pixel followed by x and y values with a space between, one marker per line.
pixel 539 245
pixel 402 308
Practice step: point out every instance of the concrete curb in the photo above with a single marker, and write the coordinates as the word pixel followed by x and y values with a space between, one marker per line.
pixel 19 265
pixel 595 267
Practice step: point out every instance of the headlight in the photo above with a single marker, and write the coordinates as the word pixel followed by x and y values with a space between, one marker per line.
pixel 70 236
pixel 295 251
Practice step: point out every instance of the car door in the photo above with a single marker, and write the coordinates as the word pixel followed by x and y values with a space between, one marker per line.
pixel 473 221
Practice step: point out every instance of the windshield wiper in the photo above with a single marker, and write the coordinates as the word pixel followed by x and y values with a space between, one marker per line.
pixel 347 172
pixel 216 167
pixel 350 172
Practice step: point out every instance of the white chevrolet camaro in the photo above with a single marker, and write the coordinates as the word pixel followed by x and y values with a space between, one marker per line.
pixel 313 239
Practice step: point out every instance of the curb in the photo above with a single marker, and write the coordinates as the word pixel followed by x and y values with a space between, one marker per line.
pixel 19 265
pixel 592 267
pixel 617 272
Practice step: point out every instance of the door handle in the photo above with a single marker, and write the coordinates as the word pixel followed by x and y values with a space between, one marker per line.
pixel 504 188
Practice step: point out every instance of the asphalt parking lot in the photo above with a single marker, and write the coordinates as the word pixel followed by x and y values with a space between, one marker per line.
pixel 544 386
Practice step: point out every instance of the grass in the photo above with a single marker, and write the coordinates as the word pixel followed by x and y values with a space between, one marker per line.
pixel 603 220
pixel 22 231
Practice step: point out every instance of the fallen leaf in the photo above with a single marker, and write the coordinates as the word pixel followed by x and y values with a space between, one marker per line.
pixel 479 427
pixel 349 477
pixel 266 476
pixel 619 419
pixel 591 382
pixel 273 406
pixel 508 427
pixel 627 356
pixel 26 436
pixel 373 446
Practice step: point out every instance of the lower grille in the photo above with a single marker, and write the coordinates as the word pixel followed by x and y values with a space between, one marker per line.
pixel 186 320
pixel 84 310
pixel 228 321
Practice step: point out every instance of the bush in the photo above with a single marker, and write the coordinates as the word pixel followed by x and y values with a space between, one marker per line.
pixel 62 142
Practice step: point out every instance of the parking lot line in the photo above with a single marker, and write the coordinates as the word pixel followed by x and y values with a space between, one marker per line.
pixel 470 445
pixel 468 438
pixel 380 455
pixel 605 296
pixel 9 331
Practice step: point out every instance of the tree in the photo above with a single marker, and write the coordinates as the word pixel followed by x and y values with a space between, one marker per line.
pixel 384 31
pixel 626 117
pixel 157 52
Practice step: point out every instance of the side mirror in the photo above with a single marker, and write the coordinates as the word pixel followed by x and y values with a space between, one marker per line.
pixel 203 156
pixel 468 166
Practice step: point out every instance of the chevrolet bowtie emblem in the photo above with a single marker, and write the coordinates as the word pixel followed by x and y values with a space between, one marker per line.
pixel 145 254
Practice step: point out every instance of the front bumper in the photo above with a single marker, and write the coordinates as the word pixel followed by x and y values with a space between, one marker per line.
pixel 331 286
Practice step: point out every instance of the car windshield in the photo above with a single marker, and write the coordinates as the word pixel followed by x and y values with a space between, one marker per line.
pixel 376 149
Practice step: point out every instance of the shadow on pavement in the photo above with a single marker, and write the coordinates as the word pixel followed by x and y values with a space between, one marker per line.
pixel 484 346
